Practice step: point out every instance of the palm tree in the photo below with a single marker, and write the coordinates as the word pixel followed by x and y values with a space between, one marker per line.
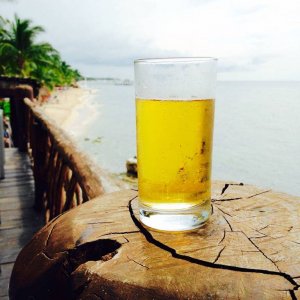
pixel 51 74
pixel 3 23
pixel 19 52
pixel 21 55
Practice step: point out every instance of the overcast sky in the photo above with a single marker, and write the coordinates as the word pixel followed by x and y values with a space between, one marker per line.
pixel 253 39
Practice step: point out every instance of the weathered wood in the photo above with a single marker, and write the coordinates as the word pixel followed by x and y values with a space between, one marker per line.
pixel 19 116
pixel 64 177
pixel 54 157
pixel 80 163
pixel 249 249
pixel 40 147
pixel 8 85
pixel 18 220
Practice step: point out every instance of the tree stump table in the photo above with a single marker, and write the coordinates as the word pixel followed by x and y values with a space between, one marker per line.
pixel 249 249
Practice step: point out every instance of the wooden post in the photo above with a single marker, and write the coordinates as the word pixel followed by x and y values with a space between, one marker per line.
pixel 54 157
pixel 39 144
pixel 19 116
pixel 249 249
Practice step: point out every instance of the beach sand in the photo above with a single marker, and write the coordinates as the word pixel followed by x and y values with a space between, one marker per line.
pixel 64 105
pixel 70 109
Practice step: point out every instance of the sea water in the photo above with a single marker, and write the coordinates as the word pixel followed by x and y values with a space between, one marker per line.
pixel 256 134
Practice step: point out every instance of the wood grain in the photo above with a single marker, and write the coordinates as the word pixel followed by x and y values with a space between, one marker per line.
pixel 248 250
pixel 64 176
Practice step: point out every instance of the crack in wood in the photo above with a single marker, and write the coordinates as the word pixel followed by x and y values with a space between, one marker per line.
pixel 44 253
pixel 276 237
pixel 296 288
pixel 258 231
pixel 268 258
pixel 237 198
pixel 258 237
pixel 219 254
pixel 197 250
pixel 131 259
pixel 222 238
pixel 226 186
pixel 48 256
pixel 49 235
pixel 226 199
pixel 224 212
pixel 127 241
pixel 258 194
pixel 263 228
pixel 292 294
pixel 98 222
pixel 295 242
pixel 249 251
pixel 262 252
pixel 119 232
pixel 228 223
pixel 149 237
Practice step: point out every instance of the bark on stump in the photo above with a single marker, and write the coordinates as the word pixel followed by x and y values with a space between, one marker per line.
pixel 249 249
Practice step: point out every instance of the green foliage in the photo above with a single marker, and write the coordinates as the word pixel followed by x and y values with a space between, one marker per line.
pixel 22 56
pixel 5 106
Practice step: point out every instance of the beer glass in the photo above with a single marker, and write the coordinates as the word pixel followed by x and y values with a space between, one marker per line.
pixel 174 119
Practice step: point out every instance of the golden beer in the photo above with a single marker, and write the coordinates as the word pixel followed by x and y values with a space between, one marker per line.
pixel 174 121
pixel 174 148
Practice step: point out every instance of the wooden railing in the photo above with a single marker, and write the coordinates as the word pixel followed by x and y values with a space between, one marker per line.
pixel 63 175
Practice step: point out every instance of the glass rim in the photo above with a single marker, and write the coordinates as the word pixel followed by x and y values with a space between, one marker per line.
pixel 173 60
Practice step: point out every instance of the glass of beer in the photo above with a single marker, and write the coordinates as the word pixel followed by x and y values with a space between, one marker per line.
pixel 174 119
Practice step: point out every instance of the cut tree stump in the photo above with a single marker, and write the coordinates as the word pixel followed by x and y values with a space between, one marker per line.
pixel 249 249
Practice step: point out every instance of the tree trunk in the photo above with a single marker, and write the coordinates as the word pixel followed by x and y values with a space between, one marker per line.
pixel 249 249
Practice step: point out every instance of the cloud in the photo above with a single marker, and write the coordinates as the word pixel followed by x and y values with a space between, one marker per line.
pixel 259 60
pixel 242 64
pixel 108 50
pixel 227 67
pixel 246 36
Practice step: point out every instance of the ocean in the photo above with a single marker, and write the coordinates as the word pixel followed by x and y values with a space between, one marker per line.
pixel 256 135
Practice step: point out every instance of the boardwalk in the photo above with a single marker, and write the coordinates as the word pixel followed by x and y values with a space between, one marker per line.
pixel 18 220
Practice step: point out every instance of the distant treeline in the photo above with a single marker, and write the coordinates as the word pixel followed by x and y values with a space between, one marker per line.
pixel 22 56
pixel 100 78
pixel 111 80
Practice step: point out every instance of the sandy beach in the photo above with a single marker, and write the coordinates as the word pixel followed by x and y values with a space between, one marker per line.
pixel 70 109
pixel 66 107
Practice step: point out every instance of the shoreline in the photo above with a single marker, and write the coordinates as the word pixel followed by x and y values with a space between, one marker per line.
pixel 63 105
pixel 70 110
